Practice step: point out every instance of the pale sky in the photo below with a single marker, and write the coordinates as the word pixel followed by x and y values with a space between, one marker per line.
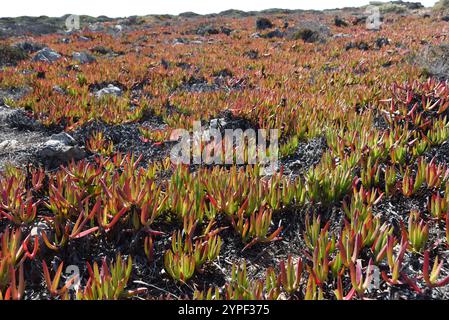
pixel 122 8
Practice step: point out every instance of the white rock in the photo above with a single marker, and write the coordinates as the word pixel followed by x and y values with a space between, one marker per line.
pixel 60 148
pixel 83 57
pixel 62 137
pixel 109 90
pixel 8 145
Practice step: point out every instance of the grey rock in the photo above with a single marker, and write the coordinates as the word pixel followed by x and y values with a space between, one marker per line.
pixel 435 61
pixel 46 55
pixel 19 119
pixel 83 57
pixel 63 138
pixel 60 148
pixel 109 90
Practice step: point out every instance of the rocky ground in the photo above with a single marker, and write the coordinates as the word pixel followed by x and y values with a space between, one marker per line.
pixel 19 144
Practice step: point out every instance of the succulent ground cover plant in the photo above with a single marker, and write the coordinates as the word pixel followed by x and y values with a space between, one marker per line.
pixel 367 219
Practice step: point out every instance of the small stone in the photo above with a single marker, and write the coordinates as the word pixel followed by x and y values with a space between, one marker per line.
pixel 109 90
pixel 63 138
pixel 83 57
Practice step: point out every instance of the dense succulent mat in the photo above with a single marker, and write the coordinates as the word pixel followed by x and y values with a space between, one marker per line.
pixel 359 208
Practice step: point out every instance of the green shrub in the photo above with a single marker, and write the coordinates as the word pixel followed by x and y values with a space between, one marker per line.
pixel 392 8
pixel 389 7
pixel 441 5
pixel 11 55
pixel 307 35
